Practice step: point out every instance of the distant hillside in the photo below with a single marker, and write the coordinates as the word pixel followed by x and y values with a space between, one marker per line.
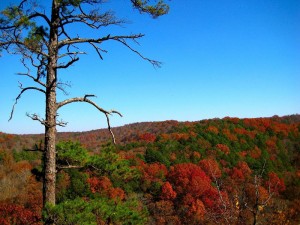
pixel 214 171
pixel 125 134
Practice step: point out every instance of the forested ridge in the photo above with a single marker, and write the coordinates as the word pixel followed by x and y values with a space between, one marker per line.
pixel 216 171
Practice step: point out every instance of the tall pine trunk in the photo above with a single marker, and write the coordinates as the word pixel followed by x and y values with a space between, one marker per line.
pixel 51 111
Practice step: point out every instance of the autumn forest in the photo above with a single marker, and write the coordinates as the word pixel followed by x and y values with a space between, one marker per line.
pixel 216 171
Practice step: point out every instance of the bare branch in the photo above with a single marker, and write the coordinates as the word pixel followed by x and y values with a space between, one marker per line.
pixel 19 96
pixel 85 99
pixel 35 79
pixel 59 167
pixel 40 15
pixel 153 62
pixel 61 123
pixel 60 85
pixel 98 50
pixel 71 53
pixel 37 118
pixel 73 60
pixel 98 40
pixel 121 39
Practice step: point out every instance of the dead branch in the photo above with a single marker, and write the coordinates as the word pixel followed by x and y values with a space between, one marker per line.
pixel 37 118
pixel 59 167
pixel 153 62
pixel 98 50
pixel 98 40
pixel 28 74
pixel 19 96
pixel 73 60
pixel 85 99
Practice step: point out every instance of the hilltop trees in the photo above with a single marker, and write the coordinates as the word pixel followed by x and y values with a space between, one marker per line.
pixel 47 44
pixel 197 183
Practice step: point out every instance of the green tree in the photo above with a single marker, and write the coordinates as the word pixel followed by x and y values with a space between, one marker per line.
pixel 46 44
pixel 96 211
pixel 71 154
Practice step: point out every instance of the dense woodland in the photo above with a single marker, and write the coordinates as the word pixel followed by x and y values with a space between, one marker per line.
pixel 217 171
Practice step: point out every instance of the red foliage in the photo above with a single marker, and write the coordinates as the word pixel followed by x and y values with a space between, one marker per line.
pixel 173 157
pixel 271 144
pixel 177 136
pixel 180 136
pixel 224 148
pixel 116 193
pixel 189 178
pixel 194 208
pixel 167 192
pixel 234 120
pixel 196 155
pixel 163 213
pixel 213 129
pixel 18 215
pixel 154 172
pixel 256 195
pixel 99 184
pixel 147 137
pixel 275 184
pixel 215 201
pixel 229 135
pixel 211 168
pixel 237 175
pixel 240 172
pixel 104 186
pixel 243 131
pixel 255 153
pixel 243 154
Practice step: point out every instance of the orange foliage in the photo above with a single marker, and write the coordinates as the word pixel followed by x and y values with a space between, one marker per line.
pixel 116 193
pixel 211 168
pixel 229 135
pixel 163 213
pixel 195 208
pixel 234 120
pixel 240 172
pixel 173 156
pixel 243 154
pixel 271 144
pixel 154 172
pixel 256 195
pixel 180 136
pixel 189 178
pixel 224 148
pixel 104 186
pixel 243 131
pixel 196 155
pixel 167 192
pixel 215 201
pixel 17 214
pixel 147 137
pixel 99 184
pixel 213 129
pixel 274 183
pixel 255 153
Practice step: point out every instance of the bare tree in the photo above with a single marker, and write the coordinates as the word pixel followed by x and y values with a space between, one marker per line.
pixel 46 44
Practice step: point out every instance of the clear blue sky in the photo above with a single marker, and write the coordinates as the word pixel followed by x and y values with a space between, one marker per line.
pixel 236 58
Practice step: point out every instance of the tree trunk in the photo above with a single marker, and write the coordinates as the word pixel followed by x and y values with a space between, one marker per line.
pixel 50 142
pixel 255 217
pixel 51 112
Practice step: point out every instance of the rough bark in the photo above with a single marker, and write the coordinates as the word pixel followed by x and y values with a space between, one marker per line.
pixel 51 112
